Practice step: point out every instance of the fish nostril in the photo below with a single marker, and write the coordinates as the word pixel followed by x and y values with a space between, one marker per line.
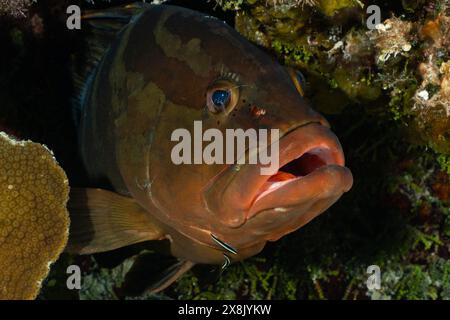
pixel 257 111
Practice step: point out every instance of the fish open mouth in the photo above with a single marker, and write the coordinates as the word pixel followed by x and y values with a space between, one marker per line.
pixel 310 176
pixel 299 167
pixel 311 168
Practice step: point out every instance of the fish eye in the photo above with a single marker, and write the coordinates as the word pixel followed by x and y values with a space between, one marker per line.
pixel 299 80
pixel 222 96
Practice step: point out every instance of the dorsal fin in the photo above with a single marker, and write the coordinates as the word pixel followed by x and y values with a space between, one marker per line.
pixel 100 28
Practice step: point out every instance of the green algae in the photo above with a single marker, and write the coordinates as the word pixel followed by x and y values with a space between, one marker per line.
pixel 444 162
pixel 331 7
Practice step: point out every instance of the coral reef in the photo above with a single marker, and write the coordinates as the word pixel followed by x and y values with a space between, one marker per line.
pixel 332 7
pixel 403 60
pixel 34 222
pixel 385 92
pixel 15 7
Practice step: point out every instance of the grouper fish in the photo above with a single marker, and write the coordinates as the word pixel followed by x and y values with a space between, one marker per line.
pixel 166 68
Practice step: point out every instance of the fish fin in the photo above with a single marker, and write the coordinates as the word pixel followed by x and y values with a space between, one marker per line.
pixel 102 220
pixel 114 18
pixel 100 28
pixel 151 271
pixel 170 275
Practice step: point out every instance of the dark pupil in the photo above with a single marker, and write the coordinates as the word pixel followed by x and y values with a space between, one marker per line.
pixel 220 98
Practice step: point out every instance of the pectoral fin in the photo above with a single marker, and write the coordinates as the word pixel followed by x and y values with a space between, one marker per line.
pixel 172 274
pixel 102 220
pixel 153 272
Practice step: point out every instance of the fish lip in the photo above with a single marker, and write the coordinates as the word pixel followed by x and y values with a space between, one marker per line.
pixel 231 194
pixel 217 200
pixel 335 177
pixel 340 181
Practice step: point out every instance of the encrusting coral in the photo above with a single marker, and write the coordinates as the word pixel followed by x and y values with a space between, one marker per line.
pixel 391 38
pixel 398 70
pixel 432 98
pixel 34 221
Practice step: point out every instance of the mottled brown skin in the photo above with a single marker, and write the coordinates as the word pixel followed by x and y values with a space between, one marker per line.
pixel 153 80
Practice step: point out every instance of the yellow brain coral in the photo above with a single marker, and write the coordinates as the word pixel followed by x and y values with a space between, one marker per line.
pixel 34 221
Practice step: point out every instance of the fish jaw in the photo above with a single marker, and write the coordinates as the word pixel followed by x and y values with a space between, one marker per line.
pixel 275 205
pixel 323 183
pixel 311 168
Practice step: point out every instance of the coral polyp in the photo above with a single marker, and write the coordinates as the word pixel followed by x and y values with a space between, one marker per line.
pixel 34 222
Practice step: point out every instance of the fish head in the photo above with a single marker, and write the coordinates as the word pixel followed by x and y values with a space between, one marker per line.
pixel 250 204
pixel 191 69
